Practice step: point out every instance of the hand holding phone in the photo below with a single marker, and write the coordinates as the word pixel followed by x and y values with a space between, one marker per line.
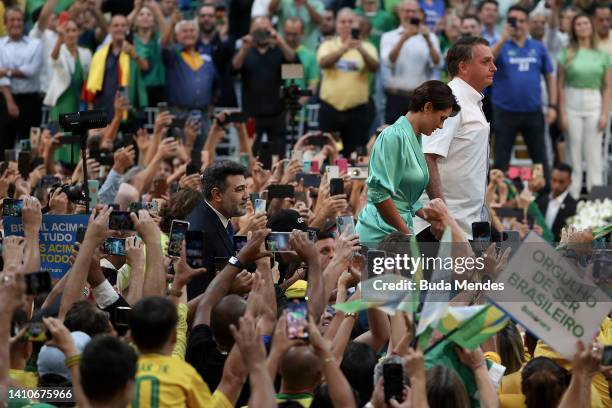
pixel 297 319
pixel 120 221
pixel 178 230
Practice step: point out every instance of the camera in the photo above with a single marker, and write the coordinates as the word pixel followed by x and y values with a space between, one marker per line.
pixel 83 120
pixel 292 93
pixel 74 192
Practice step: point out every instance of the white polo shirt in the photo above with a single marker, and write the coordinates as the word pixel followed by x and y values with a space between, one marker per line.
pixel 413 65
pixel 463 144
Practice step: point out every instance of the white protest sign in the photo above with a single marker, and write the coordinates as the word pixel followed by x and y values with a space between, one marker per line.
pixel 555 300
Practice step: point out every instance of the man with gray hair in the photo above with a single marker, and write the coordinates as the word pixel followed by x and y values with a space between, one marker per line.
pixel 409 55
pixel 190 80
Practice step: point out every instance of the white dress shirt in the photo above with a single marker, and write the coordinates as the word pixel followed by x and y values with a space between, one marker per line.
pixel 224 220
pixel 463 144
pixel 413 65
pixel 25 55
pixel 554 205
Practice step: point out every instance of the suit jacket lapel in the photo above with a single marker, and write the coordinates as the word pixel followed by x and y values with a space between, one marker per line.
pixel 219 228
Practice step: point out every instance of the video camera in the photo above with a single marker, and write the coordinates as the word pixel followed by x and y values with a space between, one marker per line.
pixel 291 93
pixel 83 120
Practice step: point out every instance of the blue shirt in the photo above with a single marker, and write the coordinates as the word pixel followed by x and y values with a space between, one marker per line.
pixel 516 87
pixel 492 37
pixel 185 87
pixel 433 12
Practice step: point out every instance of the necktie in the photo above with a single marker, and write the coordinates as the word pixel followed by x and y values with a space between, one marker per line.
pixel 230 231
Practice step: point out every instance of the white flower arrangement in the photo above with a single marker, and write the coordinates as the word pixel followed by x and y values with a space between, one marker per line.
pixel 592 214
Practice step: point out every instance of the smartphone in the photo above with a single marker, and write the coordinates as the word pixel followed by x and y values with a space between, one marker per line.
pixel 37 333
pixel 38 282
pixel 80 233
pixel 510 236
pixel 220 14
pixel 152 207
pixel 120 221
pixel 336 187
pixel 374 264
pixel 281 191
pixel 297 155
pixel 346 225
pixel 508 212
pixel 301 196
pixel 537 171
pixel 314 167
pixel 160 187
pixel 192 169
pixel 309 180
pixel 297 319
pixel 123 92
pixel 253 197
pixel 3 167
pixel 333 172
pixel 239 242
pixel 24 145
pixel 235 117
pixel 415 21
pixel 105 157
pixel 481 231
pixel 512 22
pixel 393 377
pixel 94 187
pixel 355 33
pixel 12 207
pixel 34 137
pixel 265 155
pixel 122 316
pixel 177 235
pixel 317 140
pixel 342 164
pixel 162 106
pixel 194 248
pixel 278 242
pixel 259 206
pixel 312 234
pixel 530 221
pixel 114 246
pixel 606 358
pixel 10 155
pixel 358 173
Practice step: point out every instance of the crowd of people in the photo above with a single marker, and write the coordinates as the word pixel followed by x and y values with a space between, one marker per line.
pixel 419 105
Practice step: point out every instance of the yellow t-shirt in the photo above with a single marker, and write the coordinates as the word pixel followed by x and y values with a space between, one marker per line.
pixel 165 381
pixel 26 379
pixel 345 86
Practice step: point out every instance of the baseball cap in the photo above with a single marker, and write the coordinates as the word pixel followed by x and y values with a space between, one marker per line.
pixel 51 359
pixel 287 221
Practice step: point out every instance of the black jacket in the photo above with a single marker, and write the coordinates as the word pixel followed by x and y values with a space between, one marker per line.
pixel 216 244
pixel 567 209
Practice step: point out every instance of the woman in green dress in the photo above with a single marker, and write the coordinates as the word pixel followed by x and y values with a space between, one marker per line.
pixel 70 68
pixel 398 172
pixel 148 24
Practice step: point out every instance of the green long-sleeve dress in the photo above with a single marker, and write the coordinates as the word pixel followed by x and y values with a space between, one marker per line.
pixel 397 170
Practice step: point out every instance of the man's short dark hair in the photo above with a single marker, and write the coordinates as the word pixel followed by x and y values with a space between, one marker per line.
pixel 85 317
pixel 462 51
pixel 294 19
pixel 216 175
pixel 107 365
pixel 520 8
pixel 152 320
pixel 321 235
pixel 470 16
pixel 483 2
pixel 596 6
pixel 563 167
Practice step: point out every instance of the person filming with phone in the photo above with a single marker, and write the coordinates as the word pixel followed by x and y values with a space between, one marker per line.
pixel 410 52
pixel 398 172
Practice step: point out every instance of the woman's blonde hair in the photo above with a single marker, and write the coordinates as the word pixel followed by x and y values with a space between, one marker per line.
pixel 572 48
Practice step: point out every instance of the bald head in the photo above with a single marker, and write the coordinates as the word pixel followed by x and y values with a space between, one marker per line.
pixel 345 21
pixel 260 23
pixel 226 312
pixel 300 369
pixel 407 10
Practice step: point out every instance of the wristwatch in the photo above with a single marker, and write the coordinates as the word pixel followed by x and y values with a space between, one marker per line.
pixel 234 261
pixel 174 292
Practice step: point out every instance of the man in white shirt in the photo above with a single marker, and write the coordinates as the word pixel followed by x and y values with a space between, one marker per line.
pixel 20 65
pixel 409 54
pixel 44 30
pixel 457 155
pixel 559 205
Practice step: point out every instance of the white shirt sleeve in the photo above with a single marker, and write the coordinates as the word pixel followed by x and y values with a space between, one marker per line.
pixel 386 45
pixel 439 142
pixel 105 295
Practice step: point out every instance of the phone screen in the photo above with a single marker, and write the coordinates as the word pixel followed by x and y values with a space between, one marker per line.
pixel 281 191
pixel 336 187
pixel 481 231
pixel 23 164
pixel 606 358
pixel 122 316
pixel 259 206
pixel 297 319
pixel 393 377
pixel 120 221
pixel 194 248
pixel 239 242
pixel 37 333
pixel 346 225
pixel 177 235
pixel 114 246
pixel 38 282
pixel 80 233
pixel 12 207
pixel 278 242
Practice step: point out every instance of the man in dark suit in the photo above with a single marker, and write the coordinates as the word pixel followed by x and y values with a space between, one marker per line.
pixel 225 196
pixel 559 205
